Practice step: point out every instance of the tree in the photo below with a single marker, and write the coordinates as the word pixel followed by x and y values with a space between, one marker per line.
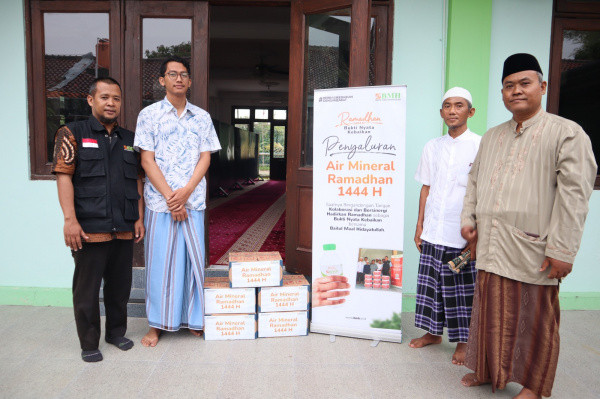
pixel 183 50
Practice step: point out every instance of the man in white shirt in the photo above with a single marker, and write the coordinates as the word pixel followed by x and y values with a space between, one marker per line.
pixel 360 276
pixel 444 299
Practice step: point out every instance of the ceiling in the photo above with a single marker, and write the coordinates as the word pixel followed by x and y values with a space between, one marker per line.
pixel 249 49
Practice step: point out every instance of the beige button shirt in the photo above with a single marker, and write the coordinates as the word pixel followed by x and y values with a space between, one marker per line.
pixel 528 195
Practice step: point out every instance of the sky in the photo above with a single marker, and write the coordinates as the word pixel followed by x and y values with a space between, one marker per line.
pixel 77 33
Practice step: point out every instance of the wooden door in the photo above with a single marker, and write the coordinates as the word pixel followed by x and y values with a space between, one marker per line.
pixel 153 29
pixel 278 150
pixel 140 72
pixel 333 43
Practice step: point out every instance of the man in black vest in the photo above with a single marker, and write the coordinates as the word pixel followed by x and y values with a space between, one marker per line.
pixel 385 270
pixel 99 191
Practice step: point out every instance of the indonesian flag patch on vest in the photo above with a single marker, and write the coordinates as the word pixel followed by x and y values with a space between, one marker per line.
pixel 89 143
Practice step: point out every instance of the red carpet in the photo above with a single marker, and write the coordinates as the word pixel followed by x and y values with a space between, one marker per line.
pixel 276 239
pixel 229 221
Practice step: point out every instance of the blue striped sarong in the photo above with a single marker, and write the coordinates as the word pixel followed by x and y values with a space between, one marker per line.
pixel 174 256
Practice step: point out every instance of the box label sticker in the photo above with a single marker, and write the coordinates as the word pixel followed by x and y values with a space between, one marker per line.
pixel 228 327
pixel 279 299
pixel 255 274
pixel 229 300
pixel 282 324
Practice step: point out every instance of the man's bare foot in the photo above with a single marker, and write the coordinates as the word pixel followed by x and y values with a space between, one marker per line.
pixel 151 338
pixel 196 333
pixel 527 393
pixel 458 357
pixel 427 339
pixel 470 380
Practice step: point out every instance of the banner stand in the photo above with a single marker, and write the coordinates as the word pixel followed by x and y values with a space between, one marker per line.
pixel 358 211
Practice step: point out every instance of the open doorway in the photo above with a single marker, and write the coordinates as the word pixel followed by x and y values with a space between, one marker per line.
pixel 248 100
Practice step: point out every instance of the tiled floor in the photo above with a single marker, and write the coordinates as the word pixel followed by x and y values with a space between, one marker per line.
pixel 39 357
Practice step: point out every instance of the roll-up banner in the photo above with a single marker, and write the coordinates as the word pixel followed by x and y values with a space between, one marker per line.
pixel 358 211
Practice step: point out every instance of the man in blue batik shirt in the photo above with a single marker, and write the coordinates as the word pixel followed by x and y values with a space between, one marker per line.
pixel 175 139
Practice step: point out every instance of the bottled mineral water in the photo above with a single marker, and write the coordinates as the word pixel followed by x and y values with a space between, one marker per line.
pixel 330 262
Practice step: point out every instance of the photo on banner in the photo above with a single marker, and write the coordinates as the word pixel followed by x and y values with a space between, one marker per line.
pixel 358 211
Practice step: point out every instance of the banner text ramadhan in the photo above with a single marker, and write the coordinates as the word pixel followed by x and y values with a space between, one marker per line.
pixel 369 179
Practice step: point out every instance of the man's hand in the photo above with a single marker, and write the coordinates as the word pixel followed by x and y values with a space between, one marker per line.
pixel 139 230
pixel 73 234
pixel 179 216
pixel 558 268
pixel 470 234
pixel 418 240
pixel 324 287
pixel 177 200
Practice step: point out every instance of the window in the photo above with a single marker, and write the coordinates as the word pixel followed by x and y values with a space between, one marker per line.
pixel 270 124
pixel 241 113
pixel 574 79
pixel 69 45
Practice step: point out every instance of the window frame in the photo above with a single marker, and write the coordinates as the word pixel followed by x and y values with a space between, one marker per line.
pixel 36 79
pixel 273 122
pixel 568 15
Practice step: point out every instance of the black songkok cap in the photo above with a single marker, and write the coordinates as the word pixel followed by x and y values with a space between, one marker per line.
pixel 520 62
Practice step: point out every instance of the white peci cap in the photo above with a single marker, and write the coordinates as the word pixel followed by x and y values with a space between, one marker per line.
pixel 458 92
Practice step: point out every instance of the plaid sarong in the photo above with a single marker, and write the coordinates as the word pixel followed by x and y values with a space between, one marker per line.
pixel 444 298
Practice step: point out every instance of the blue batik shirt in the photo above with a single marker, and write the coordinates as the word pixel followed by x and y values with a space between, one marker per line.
pixel 177 142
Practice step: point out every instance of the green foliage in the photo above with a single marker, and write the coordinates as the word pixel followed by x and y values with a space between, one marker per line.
pixel 183 50
pixel 392 324
pixel 278 150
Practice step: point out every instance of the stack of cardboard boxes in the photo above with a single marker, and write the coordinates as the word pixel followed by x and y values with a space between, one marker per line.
pixel 231 302
pixel 377 281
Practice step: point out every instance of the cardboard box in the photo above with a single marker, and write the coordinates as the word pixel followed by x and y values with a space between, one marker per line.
pixel 219 298
pixel 230 327
pixel 282 324
pixel 255 269
pixel 293 295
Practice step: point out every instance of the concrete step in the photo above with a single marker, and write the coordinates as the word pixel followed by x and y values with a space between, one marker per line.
pixel 138 278
pixel 133 310
pixel 136 295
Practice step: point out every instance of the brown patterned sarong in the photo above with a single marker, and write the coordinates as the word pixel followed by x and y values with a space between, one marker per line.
pixel 514 333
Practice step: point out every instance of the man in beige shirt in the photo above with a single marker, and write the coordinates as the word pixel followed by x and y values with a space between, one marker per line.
pixel 524 209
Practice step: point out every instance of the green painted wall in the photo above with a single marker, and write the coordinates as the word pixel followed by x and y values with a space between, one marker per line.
pixel 468 53
pixel 32 251
pixel 418 59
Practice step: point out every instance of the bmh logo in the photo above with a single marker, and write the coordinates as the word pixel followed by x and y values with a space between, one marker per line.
pixel 388 96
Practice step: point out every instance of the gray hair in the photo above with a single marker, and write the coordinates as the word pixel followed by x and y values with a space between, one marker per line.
pixel 540 77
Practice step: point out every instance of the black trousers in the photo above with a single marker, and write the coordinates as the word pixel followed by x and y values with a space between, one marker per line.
pixel 112 262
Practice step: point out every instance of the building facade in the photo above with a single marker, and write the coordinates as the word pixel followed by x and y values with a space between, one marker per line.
pixel 431 45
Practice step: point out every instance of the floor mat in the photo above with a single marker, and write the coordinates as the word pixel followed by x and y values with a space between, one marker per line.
pixel 245 222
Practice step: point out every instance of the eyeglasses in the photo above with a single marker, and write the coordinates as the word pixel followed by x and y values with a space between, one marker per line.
pixel 173 75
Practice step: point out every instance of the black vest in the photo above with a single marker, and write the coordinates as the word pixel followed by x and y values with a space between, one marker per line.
pixel 385 270
pixel 105 179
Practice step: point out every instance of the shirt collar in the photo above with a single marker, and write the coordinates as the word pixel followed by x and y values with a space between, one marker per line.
pixel 169 107
pixel 529 122
pixel 99 127
pixel 462 137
